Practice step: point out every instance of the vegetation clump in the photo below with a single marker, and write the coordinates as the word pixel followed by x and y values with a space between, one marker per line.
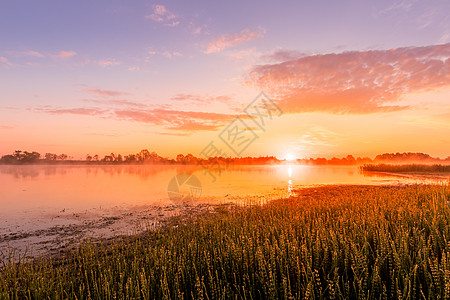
pixel 409 168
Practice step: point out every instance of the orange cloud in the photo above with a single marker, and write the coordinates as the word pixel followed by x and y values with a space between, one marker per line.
pixel 177 120
pixel 230 40
pixel 356 82
pixel 168 119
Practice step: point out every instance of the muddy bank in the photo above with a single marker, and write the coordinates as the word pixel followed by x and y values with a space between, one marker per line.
pixel 51 233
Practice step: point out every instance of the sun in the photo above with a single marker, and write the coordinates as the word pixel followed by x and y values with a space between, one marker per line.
pixel 289 156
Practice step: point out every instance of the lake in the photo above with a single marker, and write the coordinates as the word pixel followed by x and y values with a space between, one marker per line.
pixel 47 206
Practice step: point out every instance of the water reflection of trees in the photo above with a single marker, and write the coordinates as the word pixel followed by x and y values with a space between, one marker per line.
pixel 142 171
pixel 35 171
pixel 29 172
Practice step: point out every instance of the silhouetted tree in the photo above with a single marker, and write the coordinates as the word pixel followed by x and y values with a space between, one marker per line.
pixel 50 156
pixel 62 156
pixel 8 159
pixel 144 155
pixel 18 154
pixel 130 158
pixel 30 157
pixel 108 158
pixel 180 159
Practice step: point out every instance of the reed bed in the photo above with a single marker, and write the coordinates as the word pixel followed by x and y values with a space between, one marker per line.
pixel 339 242
pixel 408 168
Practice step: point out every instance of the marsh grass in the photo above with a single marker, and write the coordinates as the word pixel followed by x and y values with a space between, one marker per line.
pixel 408 168
pixel 341 242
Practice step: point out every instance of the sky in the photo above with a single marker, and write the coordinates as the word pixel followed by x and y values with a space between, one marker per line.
pixel 342 77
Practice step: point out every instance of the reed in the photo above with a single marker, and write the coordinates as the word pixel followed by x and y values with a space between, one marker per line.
pixel 409 168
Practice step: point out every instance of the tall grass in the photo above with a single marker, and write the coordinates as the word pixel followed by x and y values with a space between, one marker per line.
pixel 328 243
pixel 409 168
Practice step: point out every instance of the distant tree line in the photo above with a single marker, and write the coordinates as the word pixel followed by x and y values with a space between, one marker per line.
pixel 26 157
pixel 147 157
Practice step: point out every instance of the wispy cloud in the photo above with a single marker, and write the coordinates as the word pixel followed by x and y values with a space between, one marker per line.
pixel 134 69
pixel 282 55
pixel 177 120
pixel 174 133
pixel 33 53
pixel 318 136
pixel 356 82
pixel 197 29
pixel 241 54
pixel 5 61
pixel 107 63
pixel 74 111
pixel 65 54
pixel 445 38
pixel 162 15
pixel 403 5
pixel 233 39
pixel 4 127
pixel 33 64
pixel 198 99
pixel 125 103
pixel 105 93
pixel 168 54
pixel 28 53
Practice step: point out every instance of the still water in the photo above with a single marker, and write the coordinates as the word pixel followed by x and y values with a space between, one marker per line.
pixel 38 203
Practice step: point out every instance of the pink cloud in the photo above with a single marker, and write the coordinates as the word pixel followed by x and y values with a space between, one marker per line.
pixel 242 53
pixel 187 121
pixel 75 111
pixel 355 82
pixel 65 54
pixel 230 40
pixel 33 53
pixel 33 64
pixel 162 14
pixel 133 69
pixel 197 99
pixel 107 63
pixel 118 103
pixel 5 61
pixel 282 55
pixel 4 127
pixel 105 93
pixel 178 120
